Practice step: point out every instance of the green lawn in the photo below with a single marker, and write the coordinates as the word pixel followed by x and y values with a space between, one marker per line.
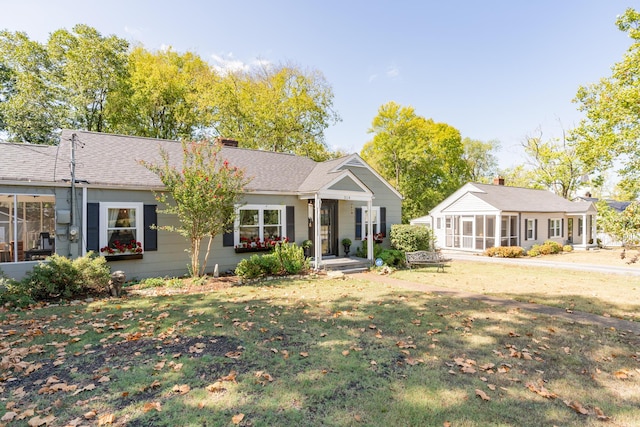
pixel 343 352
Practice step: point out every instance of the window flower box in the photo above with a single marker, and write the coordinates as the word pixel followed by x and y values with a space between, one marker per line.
pixel 255 245
pixel 120 251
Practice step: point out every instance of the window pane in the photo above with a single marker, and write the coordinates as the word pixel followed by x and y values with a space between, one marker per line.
pixel 248 234
pixel 272 232
pixel 121 237
pixel 272 217
pixel 121 218
pixel 249 217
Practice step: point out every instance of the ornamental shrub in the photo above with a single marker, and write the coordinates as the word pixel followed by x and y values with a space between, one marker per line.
pixel 567 248
pixel 505 251
pixel 286 258
pixel 61 277
pixel 392 257
pixel 550 247
pixel 409 238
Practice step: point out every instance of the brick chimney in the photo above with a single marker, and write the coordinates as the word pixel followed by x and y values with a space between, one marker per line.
pixel 498 180
pixel 227 142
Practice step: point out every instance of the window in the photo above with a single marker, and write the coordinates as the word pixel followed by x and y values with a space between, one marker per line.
pixel 439 223
pixel 555 227
pixel 260 223
pixel 531 229
pixel 27 226
pixel 378 221
pixel 121 227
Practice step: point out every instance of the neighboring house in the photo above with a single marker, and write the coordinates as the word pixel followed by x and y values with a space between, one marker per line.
pixel 112 194
pixel 603 237
pixel 480 216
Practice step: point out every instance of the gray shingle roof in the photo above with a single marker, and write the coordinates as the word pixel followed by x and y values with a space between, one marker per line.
pixel 517 199
pixel 114 160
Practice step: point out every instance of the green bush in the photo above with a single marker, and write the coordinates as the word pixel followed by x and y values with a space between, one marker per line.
pixel 567 248
pixel 61 277
pixel 363 250
pixel 505 251
pixel 409 238
pixel 392 257
pixel 534 251
pixel 153 282
pixel 286 258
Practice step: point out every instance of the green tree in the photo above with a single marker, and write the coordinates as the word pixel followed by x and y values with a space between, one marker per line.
pixel 624 226
pixel 87 68
pixel 161 99
pixel 481 159
pixel 421 158
pixel 555 165
pixel 31 110
pixel 610 131
pixel 282 109
pixel 202 194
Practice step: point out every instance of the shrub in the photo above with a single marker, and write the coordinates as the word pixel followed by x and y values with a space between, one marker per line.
pixel 392 257
pixel 153 282
pixel 567 248
pixel 409 238
pixel 363 250
pixel 534 251
pixel 505 251
pixel 550 247
pixel 61 277
pixel 286 258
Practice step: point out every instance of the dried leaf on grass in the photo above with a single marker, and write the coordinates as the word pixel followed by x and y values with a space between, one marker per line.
pixel 236 419
pixel 482 395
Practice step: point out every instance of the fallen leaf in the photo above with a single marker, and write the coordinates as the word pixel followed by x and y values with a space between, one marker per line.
pixel 482 395
pixel 150 406
pixel 9 416
pixel 577 407
pixel 345 353
pixel 216 387
pixel 237 418
pixel 304 354
pixel 181 389
pixel 230 377
pixel 90 415
pixel 600 415
pixel 106 419
pixel 37 421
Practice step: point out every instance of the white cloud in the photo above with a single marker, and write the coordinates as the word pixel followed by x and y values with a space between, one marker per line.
pixel 393 72
pixel 227 63
pixel 372 77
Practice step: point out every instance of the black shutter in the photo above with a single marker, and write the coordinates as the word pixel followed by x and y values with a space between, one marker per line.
pixel 535 229
pixel 150 233
pixel 227 238
pixel 562 227
pixel 383 221
pixel 93 227
pixel 291 223
pixel 358 223
pixel 548 228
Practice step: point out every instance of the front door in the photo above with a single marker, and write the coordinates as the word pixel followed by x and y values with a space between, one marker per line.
pixel 328 228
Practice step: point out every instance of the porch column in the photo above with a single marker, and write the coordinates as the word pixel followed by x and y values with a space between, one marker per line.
pixel 498 239
pixel 369 230
pixel 316 232
pixel 584 230
pixel 594 229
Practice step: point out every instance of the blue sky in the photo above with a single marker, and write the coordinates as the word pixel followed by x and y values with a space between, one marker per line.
pixel 496 69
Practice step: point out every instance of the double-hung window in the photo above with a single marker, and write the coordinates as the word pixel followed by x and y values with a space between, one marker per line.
pixel 260 223
pixel 555 227
pixel 121 227
pixel 531 229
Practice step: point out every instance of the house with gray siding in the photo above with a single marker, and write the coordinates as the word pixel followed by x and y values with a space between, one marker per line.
pixel 90 193
pixel 480 216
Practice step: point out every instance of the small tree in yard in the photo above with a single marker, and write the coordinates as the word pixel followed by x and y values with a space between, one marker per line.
pixel 204 192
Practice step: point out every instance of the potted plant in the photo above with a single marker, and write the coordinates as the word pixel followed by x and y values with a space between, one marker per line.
pixel 306 245
pixel 346 243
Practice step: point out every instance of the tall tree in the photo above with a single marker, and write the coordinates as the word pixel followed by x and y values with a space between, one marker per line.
pixel 162 95
pixel 31 110
pixel 610 131
pixel 87 68
pixel 202 193
pixel 481 158
pixel 283 109
pixel 421 158
pixel 555 165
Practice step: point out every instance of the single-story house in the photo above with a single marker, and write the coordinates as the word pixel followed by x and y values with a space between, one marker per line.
pixel 480 216
pixel 83 193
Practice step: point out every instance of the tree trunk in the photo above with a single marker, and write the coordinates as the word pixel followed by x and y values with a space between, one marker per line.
pixel 206 256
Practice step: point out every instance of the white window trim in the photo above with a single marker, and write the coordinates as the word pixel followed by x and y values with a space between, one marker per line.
pixel 104 217
pixel 531 229
pixel 556 228
pixel 260 209
pixel 365 220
